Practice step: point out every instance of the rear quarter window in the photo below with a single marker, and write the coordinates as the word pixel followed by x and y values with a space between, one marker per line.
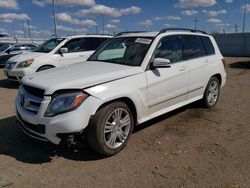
pixel 208 45
pixel 193 47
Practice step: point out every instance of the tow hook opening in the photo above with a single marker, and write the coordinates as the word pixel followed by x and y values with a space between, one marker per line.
pixel 71 139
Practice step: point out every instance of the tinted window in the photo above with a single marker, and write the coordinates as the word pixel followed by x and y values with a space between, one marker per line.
pixel 31 47
pixel 192 47
pixel 208 45
pixel 49 45
pixel 74 45
pixel 91 44
pixel 170 48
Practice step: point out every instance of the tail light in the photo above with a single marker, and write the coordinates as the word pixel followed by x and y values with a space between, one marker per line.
pixel 224 62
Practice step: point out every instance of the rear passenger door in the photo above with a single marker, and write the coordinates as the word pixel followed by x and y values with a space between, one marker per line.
pixel 168 86
pixel 195 54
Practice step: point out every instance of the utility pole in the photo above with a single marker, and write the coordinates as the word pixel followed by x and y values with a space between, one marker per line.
pixel 96 32
pixel 24 33
pixel 102 24
pixel 54 16
pixel 28 23
pixel 236 28
pixel 195 22
pixel 244 17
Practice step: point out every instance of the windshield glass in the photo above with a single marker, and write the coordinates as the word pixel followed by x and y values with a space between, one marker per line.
pixel 49 45
pixel 125 50
pixel 4 47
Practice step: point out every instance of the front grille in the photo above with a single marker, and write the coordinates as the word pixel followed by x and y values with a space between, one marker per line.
pixel 12 77
pixel 9 65
pixel 37 128
pixel 30 98
pixel 34 91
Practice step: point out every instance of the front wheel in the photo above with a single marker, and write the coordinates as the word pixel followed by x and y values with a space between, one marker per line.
pixel 212 92
pixel 109 129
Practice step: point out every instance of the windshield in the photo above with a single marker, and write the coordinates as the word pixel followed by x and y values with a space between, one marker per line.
pixel 124 50
pixel 49 45
pixel 4 47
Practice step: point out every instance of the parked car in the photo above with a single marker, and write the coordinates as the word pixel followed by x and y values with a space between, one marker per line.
pixel 4 47
pixel 3 35
pixel 14 50
pixel 104 98
pixel 3 44
pixel 55 52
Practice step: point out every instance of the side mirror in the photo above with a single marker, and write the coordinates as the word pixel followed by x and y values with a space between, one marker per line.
pixel 161 63
pixel 63 50
pixel 8 51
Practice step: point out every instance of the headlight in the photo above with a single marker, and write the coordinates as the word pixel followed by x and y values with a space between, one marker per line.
pixel 25 63
pixel 64 103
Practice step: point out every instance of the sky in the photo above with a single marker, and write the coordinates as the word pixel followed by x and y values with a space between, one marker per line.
pixel 89 16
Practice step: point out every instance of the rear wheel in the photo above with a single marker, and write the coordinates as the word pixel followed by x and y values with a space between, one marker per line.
pixel 44 68
pixel 109 129
pixel 212 92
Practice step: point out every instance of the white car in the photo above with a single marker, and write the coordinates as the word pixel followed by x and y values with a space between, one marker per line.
pixel 105 97
pixel 55 52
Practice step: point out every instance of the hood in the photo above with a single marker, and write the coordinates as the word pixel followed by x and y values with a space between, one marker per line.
pixel 25 56
pixel 79 76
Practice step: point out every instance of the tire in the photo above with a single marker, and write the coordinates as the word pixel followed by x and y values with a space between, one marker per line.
pixel 212 93
pixel 44 68
pixel 117 132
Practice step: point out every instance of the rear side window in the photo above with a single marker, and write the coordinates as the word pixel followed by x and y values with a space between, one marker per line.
pixel 208 45
pixel 192 47
pixel 91 44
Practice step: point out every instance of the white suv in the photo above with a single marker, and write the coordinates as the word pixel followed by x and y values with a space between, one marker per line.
pixel 130 79
pixel 55 52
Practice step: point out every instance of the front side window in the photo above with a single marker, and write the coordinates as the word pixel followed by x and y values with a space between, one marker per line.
pixel 169 48
pixel 192 47
pixel 124 50
pixel 74 45
pixel 49 45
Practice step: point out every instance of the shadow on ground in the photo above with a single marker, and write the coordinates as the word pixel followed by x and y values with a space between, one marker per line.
pixel 240 65
pixel 9 84
pixel 14 143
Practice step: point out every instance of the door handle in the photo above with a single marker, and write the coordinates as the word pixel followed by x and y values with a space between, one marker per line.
pixel 206 61
pixel 182 68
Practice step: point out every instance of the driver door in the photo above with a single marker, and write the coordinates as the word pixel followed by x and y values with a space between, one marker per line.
pixel 75 52
pixel 168 86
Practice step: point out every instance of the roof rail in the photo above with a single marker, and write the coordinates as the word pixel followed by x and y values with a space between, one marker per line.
pixel 182 29
pixel 127 32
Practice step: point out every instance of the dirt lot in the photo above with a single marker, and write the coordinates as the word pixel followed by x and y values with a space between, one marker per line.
pixel 190 147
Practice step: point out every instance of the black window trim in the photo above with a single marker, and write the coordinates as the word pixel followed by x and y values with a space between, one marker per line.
pixel 181 35
pixel 205 45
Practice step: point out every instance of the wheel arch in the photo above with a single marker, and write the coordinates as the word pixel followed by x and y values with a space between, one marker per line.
pixel 46 65
pixel 218 76
pixel 128 101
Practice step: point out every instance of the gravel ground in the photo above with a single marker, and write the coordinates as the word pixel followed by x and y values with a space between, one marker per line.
pixel 190 147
